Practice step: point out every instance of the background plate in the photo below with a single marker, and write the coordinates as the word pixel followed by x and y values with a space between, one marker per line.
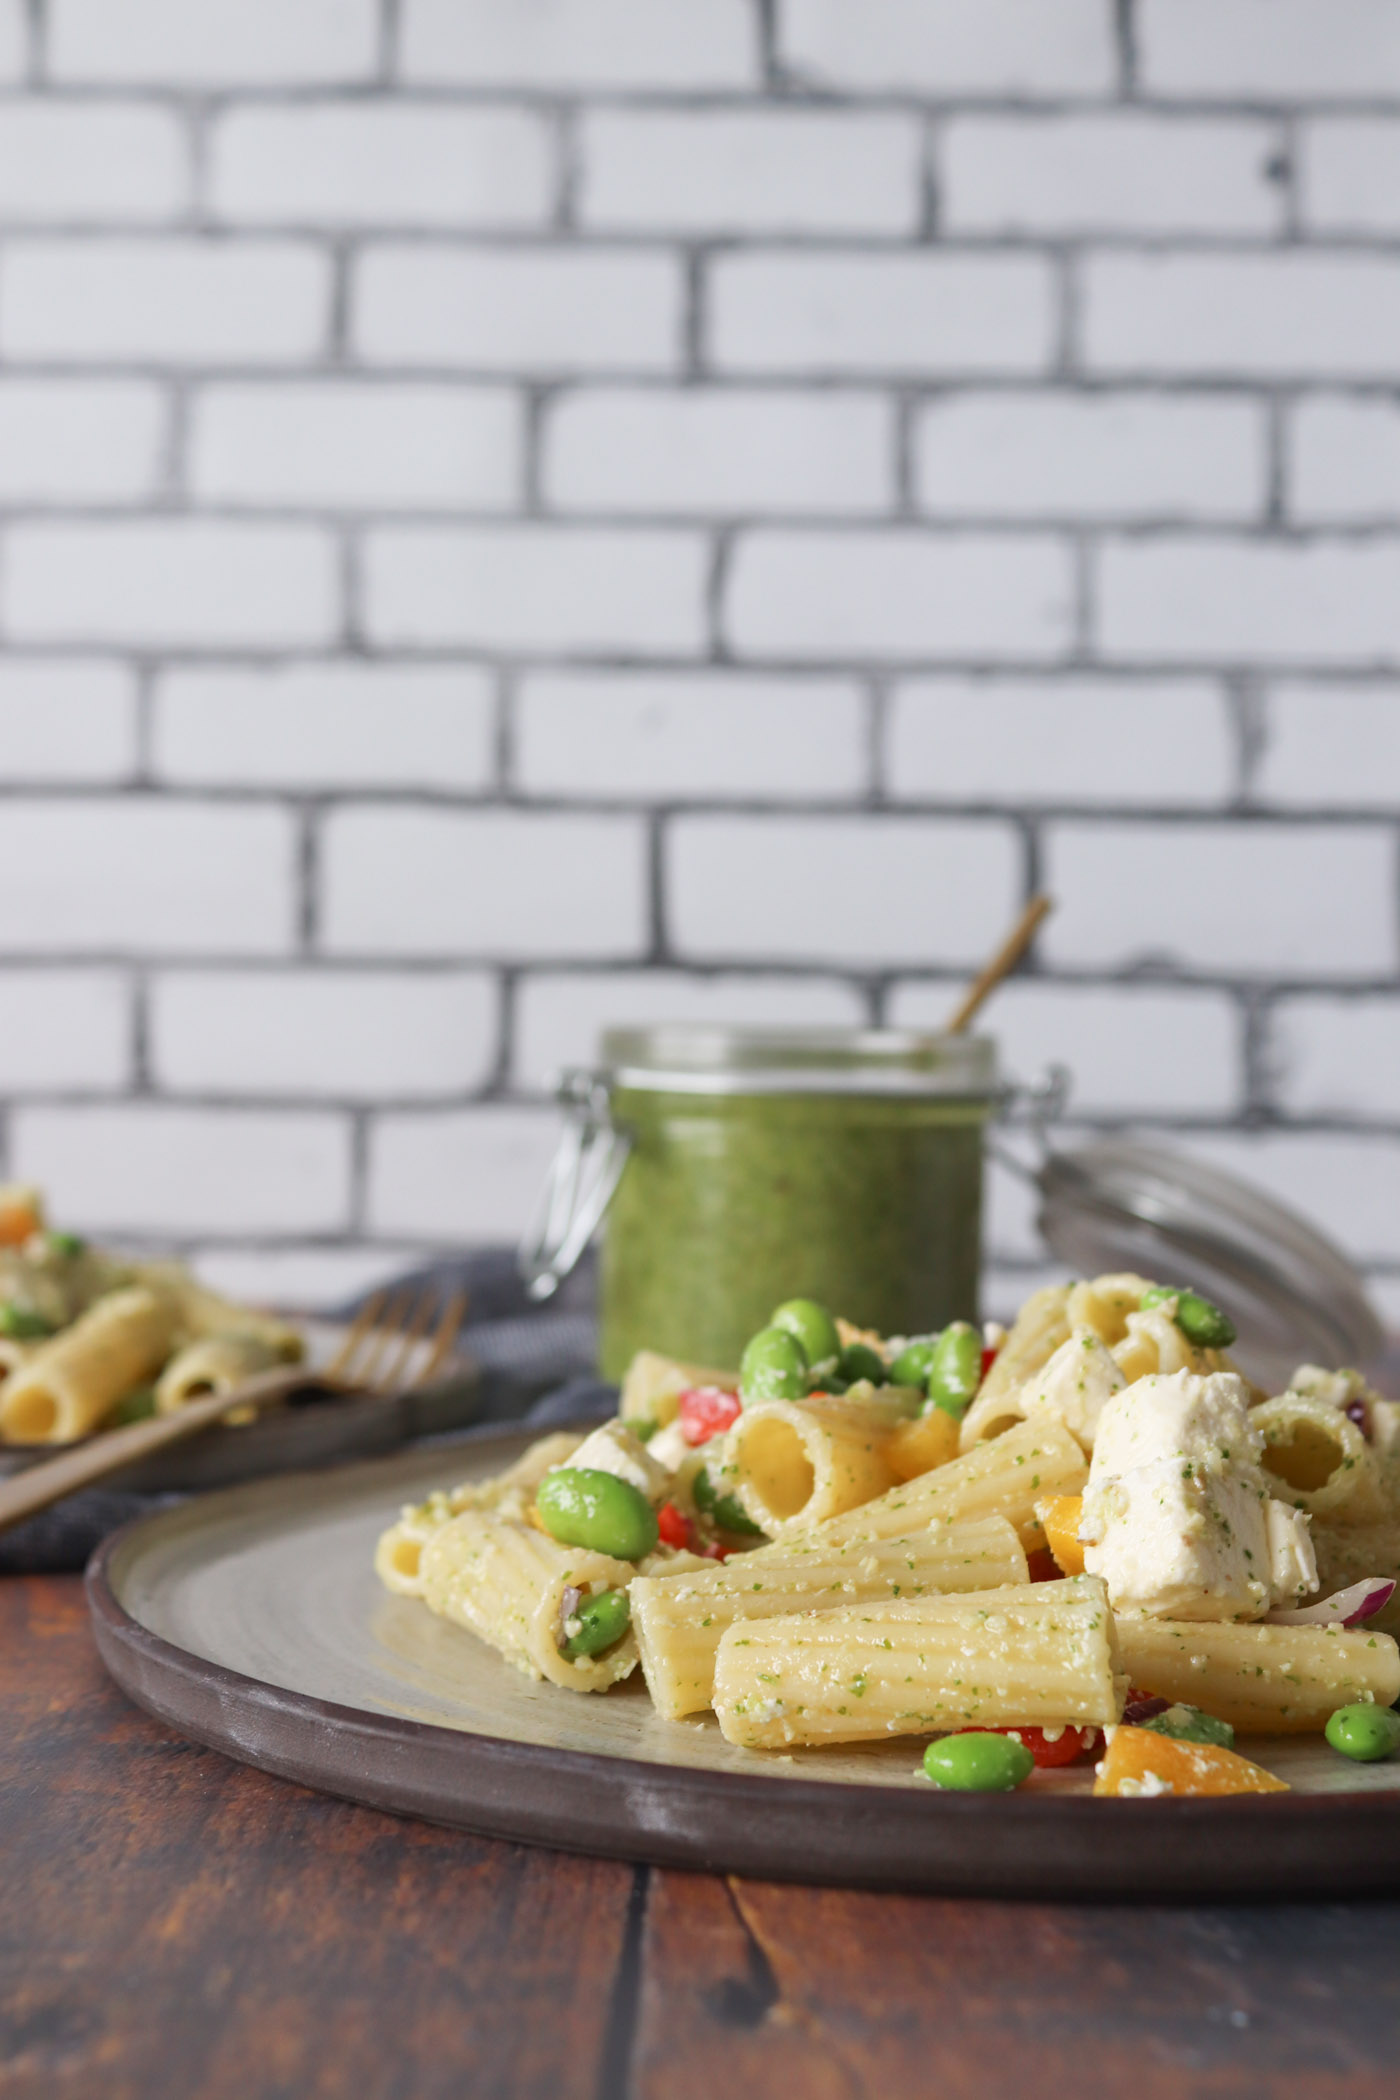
pixel 253 1622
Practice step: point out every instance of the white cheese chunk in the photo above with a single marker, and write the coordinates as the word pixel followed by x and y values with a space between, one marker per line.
pixel 668 1447
pixel 1177 1516
pixel 614 1449
pixel 1074 1385
pixel 1292 1562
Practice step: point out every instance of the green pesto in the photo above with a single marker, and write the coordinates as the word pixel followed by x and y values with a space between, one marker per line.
pixel 730 1204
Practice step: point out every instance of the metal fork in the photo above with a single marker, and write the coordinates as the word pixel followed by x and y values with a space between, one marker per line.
pixel 373 1359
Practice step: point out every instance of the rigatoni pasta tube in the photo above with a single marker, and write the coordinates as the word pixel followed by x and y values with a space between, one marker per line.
pixel 1038 1655
pixel 1266 1680
pixel 793 1463
pixel 1005 1478
pixel 679 1619
pixel 398 1555
pixel 505 1581
pixel 70 1383
pixel 1319 1459
pixel 215 1365
pixel 1040 1327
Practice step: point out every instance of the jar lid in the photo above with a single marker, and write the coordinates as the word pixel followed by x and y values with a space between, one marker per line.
pixel 1292 1293
pixel 710 1060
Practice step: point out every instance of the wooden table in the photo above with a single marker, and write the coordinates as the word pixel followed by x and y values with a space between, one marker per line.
pixel 176 1925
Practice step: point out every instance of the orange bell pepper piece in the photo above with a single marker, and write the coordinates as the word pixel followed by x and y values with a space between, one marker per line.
pixel 1139 1762
pixel 1059 1516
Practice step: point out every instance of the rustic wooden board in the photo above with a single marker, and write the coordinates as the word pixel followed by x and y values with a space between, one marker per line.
pixel 253 1621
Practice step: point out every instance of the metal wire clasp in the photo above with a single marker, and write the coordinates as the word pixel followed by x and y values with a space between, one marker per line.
pixel 585 1170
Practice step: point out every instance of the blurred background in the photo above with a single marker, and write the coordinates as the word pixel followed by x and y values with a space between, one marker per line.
pixel 522 514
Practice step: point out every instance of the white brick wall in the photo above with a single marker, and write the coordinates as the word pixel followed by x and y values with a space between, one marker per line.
pixel 344 444
pixel 516 514
pixel 357 1035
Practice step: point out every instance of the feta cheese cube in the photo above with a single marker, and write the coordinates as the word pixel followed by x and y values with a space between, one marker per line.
pixel 1074 1385
pixel 614 1449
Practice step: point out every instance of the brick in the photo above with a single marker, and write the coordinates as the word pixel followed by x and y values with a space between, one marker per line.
pixel 899 596
pixel 1247 900
pixel 223 42
pixel 1337 1057
pixel 80 441
pixel 491 882
pixel 720 453
pixel 1109 456
pixel 1349 175
pixel 1130 1049
pixel 326 726
pixel 1207 599
pixel 1096 172
pixel 169 1170
pixel 535 588
pixel 66 721
pixel 361 1035
pixel 1223 316
pixel 534 310
pixel 1268 50
pixel 853 312
pixel 62 1029
pixel 137 875
pixel 951 47
pixel 358 445
pixel 122 163
pixel 166 302
pixel 1344 464
pixel 685 736
pixel 185 583
pixel 751 171
pixel 1331 747
pixel 1077 740
pixel 14 40
pixel 380 164
pixel 855 890
pixel 579 44
pixel 1342 1183
pixel 309 1277
pixel 471 1177
pixel 559 1019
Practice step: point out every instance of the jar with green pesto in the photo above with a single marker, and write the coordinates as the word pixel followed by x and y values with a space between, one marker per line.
pixel 749 1166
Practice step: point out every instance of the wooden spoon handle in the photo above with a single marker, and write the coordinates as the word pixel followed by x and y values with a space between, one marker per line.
pixel 40 1486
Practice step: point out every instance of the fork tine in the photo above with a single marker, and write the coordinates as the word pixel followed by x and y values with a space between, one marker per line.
pixel 453 1314
pixel 361 1325
pixel 390 1379
pixel 381 1338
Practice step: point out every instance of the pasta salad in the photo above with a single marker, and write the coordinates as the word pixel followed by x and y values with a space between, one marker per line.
pixel 1090 1537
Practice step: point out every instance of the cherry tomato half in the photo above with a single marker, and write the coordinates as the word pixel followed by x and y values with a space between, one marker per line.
pixel 673 1526
pixel 705 1411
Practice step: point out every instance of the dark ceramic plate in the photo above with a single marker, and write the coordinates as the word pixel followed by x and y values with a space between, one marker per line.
pixel 252 1621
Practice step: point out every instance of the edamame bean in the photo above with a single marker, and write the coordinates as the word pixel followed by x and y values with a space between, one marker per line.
pixel 811 1325
pixel 1200 1321
pixel 956 1370
pixel 978 1763
pixel 773 1367
pixel 727 1510
pixel 67 1243
pixel 860 1362
pixel 1187 1724
pixel 21 1325
pixel 602 1621
pixel 913 1364
pixel 584 1506
pixel 1364 1732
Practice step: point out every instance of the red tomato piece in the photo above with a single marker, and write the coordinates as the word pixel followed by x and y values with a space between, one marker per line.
pixel 989 1357
pixel 673 1526
pixel 1043 1567
pixel 714 1551
pixel 706 1411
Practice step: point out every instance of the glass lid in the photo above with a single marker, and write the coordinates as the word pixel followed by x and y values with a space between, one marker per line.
pixel 1291 1292
pixel 685 1059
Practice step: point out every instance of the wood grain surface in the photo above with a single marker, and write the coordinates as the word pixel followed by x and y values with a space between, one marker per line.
pixel 174 1924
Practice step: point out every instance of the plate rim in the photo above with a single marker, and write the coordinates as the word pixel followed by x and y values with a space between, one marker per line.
pixel 686 1816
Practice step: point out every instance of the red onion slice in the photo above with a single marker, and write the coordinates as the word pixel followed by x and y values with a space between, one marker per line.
pixel 1347 1608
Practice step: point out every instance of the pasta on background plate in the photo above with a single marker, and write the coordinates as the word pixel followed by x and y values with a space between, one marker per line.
pixel 1090 1534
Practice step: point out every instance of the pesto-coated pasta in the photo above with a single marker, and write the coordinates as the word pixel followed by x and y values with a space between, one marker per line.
pixel 67 1386
pixel 793 1463
pixel 1277 1680
pixel 398 1554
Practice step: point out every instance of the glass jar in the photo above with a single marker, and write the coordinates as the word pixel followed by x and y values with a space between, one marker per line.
pixel 741 1167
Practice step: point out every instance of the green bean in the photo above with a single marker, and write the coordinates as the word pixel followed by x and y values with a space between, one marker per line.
pixel 1364 1732
pixel 860 1363
pixel 1200 1321
pixel 1187 1724
pixel 727 1510
pixel 602 1621
pixel 811 1325
pixel 584 1506
pixel 773 1366
pixel 956 1370
pixel 21 1325
pixel 978 1762
pixel 914 1362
